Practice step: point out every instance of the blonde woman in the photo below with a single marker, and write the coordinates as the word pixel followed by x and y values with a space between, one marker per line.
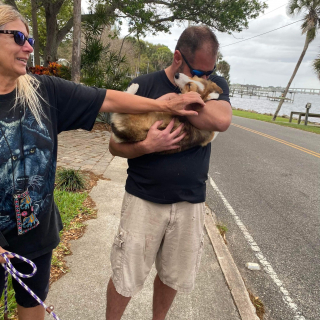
pixel 33 110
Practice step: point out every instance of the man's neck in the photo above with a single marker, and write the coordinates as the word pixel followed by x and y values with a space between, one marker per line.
pixel 170 72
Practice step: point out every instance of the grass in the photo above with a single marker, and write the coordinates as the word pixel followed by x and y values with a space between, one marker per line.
pixel 223 230
pixel 282 121
pixel 70 205
pixel 12 305
pixel 258 304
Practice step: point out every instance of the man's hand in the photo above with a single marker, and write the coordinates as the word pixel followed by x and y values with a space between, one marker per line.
pixel 162 140
pixel 179 105
pixel 156 141
pixel 2 260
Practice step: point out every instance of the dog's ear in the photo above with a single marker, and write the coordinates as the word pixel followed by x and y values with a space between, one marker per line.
pixel 194 87
pixel 190 86
pixel 215 88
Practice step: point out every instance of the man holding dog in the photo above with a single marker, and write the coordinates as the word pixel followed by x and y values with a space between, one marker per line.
pixel 163 209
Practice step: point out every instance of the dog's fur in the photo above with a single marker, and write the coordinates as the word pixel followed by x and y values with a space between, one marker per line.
pixel 134 127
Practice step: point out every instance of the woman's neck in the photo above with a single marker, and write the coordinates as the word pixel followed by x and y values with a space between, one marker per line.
pixel 7 84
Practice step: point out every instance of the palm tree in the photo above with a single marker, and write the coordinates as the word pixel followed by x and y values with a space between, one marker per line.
pixel 311 22
pixel 316 66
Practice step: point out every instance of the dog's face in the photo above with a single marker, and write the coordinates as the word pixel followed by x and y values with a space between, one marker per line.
pixel 206 88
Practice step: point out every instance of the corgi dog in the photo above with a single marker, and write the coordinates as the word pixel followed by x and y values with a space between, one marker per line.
pixel 134 127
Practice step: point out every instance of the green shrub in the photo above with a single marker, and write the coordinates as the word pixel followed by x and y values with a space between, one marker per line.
pixel 70 180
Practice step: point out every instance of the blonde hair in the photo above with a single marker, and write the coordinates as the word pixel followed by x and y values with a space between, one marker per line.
pixel 27 86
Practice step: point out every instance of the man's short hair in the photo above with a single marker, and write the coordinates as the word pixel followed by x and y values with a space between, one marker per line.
pixel 196 37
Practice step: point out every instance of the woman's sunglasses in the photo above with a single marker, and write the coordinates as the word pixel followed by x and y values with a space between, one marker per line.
pixel 195 72
pixel 19 37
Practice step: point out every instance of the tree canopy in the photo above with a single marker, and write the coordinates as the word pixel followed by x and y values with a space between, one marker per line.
pixel 148 57
pixel 63 16
pixel 316 66
pixel 223 67
pixel 142 15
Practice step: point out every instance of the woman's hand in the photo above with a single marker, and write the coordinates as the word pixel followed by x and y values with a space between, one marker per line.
pixel 180 104
pixel 2 260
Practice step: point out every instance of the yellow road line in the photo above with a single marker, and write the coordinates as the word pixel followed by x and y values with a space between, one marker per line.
pixel 313 153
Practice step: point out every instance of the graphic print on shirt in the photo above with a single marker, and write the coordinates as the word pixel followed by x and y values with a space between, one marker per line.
pixel 33 174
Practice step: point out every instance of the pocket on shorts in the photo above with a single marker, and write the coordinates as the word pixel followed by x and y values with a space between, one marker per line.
pixel 118 252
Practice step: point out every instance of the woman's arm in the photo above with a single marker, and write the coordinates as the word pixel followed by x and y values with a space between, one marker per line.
pixel 122 102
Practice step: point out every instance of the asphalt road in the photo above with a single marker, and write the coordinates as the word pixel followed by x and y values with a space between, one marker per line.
pixel 264 185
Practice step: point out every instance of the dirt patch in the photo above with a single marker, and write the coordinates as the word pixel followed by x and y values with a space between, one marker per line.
pixel 101 127
pixel 92 179
pixel 258 305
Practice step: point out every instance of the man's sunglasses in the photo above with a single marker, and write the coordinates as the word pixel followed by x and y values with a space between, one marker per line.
pixel 19 37
pixel 195 72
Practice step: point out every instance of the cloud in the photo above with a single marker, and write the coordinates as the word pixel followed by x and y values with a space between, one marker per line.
pixel 270 58
pixel 265 60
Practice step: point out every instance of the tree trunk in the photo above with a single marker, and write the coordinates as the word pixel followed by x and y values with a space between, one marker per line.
pixel 52 9
pixel 50 51
pixel 54 35
pixel 76 48
pixel 306 44
pixel 35 32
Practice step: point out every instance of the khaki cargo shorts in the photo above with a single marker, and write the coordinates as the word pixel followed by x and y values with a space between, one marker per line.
pixel 171 235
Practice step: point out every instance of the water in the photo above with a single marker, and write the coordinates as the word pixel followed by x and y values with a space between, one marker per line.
pixel 263 105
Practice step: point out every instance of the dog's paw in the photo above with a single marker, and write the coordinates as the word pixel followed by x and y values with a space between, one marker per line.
pixel 213 96
pixel 133 88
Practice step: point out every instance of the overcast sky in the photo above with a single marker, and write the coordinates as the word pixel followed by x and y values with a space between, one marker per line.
pixel 267 60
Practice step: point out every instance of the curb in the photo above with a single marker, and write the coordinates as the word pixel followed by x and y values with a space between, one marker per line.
pixel 229 269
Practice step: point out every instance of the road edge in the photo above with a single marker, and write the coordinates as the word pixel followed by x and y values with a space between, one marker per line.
pixel 229 269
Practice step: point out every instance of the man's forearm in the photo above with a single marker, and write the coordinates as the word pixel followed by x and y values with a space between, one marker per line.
pixel 127 150
pixel 156 141
pixel 214 116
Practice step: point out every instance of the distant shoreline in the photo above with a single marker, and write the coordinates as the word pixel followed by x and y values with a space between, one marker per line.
pixel 271 114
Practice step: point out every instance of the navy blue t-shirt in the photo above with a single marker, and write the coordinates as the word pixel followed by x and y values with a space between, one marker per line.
pixel 174 177
pixel 28 157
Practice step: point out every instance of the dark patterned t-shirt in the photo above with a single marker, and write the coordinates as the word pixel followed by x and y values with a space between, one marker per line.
pixel 28 157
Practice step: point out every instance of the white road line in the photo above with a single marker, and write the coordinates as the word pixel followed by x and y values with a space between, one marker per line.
pixel 258 253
